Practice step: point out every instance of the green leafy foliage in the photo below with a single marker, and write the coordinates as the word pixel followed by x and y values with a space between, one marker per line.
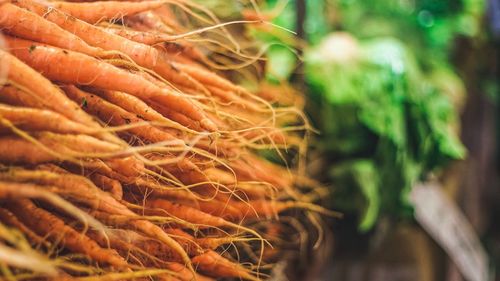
pixel 384 122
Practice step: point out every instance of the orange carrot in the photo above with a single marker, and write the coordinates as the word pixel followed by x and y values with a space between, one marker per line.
pixel 51 96
pixel 42 120
pixel 215 265
pixel 16 150
pixel 142 110
pixel 209 78
pixel 161 41
pixel 161 206
pixel 10 219
pixel 47 224
pixel 112 186
pixel 14 96
pixel 93 12
pixel 115 115
pixel 184 273
pixel 147 21
pixel 26 24
pixel 54 62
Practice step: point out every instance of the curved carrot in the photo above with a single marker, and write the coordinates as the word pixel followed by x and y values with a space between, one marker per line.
pixel 93 12
pixel 9 218
pixel 116 116
pixel 47 224
pixel 215 265
pixel 184 273
pixel 42 120
pixel 112 186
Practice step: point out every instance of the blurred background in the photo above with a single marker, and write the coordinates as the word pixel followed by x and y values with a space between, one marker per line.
pixel 403 92
pixel 404 97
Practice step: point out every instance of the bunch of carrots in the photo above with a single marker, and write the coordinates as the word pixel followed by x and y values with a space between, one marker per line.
pixel 126 152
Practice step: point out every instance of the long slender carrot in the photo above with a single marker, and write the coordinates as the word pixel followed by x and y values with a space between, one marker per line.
pixel 43 89
pixel 9 218
pixel 207 77
pixel 142 110
pixel 42 120
pixel 46 224
pixel 215 265
pixel 107 184
pixel 54 63
pixel 185 213
pixel 15 96
pixel 16 150
pixel 26 24
pixel 185 274
pixel 147 21
pixel 116 116
pixel 112 186
pixel 93 12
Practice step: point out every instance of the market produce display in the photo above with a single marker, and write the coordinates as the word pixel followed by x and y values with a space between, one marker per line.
pixel 126 152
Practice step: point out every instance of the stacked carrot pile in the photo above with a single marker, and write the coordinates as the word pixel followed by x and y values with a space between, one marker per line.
pixel 124 154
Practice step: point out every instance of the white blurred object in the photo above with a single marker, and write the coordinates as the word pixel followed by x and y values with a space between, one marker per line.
pixel 338 47
pixel 448 226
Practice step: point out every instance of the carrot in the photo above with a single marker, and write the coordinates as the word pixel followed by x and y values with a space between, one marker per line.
pixel 147 21
pixel 185 213
pixel 47 224
pixel 10 219
pixel 215 265
pixel 42 120
pixel 208 78
pixel 142 110
pixel 54 63
pixel 50 95
pixel 116 116
pixel 93 12
pixel 112 186
pixel 161 41
pixel 25 24
pixel 128 166
pixel 201 219
pixel 15 96
pixel 212 206
pixel 170 113
pixel 167 16
pixel 184 274
pixel 15 150
pixel 213 243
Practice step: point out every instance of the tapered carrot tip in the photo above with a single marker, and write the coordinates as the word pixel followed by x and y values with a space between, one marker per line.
pixel 208 125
